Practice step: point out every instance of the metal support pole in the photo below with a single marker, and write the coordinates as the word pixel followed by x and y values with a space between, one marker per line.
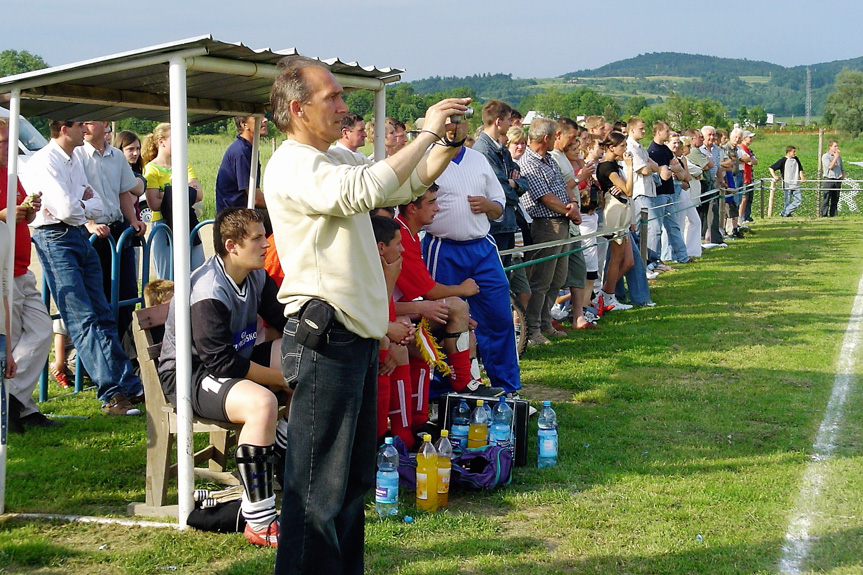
pixel 182 287
pixel 380 124
pixel 762 200
pixel 253 169
pixel 11 203
pixel 642 235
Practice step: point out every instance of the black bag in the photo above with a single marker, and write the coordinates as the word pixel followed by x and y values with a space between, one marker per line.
pixel 315 320
pixel 223 518
pixel 168 211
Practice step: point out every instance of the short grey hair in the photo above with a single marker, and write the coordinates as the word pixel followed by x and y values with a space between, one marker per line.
pixel 706 129
pixel 290 85
pixel 540 128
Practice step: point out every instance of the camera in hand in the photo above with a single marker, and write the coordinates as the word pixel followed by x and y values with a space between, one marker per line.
pixel 458 119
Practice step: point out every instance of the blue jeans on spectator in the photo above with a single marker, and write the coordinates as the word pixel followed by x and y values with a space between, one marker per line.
pixel 74 276
pixel 661 216
pixel 636 277
pixel 161 249
pixel 670 246
pixel 793 199
pixel 330 460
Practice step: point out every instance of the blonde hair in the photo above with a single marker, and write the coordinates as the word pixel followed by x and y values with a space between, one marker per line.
pixel 158 292
pixel 516 135
pixel 150 145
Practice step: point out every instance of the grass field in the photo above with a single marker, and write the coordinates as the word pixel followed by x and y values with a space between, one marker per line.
pixel 685 432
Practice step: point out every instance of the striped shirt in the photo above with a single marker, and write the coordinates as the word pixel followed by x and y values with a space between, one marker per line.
pixel 544 177
pixel 469 174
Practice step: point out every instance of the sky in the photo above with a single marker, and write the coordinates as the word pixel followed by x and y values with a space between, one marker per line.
pixel 448 37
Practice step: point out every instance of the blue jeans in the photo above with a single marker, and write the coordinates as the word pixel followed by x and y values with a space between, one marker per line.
pixel 636 277
pixel 793 199
pixel 71 266
pixel 330 461
pixel 162 252
pixel 661 214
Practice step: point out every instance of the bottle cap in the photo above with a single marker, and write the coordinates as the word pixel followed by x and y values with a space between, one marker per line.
pixel 444 432
pixel 388 440
pixel 426 437
pixel 479 402
pixel 546 404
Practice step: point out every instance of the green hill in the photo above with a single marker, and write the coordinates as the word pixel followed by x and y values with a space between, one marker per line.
pixel 653 76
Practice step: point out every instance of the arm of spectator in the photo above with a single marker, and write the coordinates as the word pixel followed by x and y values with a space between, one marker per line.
pixel 482 205
pixel 401 331
pixel 193 183
pixel 270 308
pixel 432 310
pixel 127 207
pixel 466 288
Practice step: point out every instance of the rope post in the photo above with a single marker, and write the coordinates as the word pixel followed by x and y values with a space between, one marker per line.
pixel 642 235
pixel 762 200
pixel 820 173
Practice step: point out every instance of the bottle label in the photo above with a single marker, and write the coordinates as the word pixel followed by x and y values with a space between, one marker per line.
pixel 422 486
pixel 443 475
pixel 548 445
pixel 385 494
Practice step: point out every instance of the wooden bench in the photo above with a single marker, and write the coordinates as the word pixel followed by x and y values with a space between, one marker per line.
pixel 148 329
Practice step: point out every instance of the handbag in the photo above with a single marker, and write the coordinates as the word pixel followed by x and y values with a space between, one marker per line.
pixel 484 467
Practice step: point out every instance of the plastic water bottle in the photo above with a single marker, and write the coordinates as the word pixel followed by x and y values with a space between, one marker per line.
pixel 460 424
pixel 487 407
pixel 547 436
pixel 501 424
pixel 387 487
pixel 427 475
pixel 477 434
pixel 444 467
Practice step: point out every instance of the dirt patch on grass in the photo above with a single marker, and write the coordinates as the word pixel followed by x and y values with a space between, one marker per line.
pixel 538 392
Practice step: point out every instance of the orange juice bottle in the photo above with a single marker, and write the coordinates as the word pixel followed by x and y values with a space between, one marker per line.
pixel 427 476
pixel 477 434
pixel 444 467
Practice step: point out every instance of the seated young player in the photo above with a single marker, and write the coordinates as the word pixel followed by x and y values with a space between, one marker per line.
pixel 232 378
pixel 394 371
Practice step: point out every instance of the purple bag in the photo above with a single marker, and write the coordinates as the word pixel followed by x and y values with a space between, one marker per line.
pixel 482 467
pixel 407 465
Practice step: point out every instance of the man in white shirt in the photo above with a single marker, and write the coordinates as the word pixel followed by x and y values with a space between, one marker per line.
pixel 458 246
pixel 353 136
pixel 71 266
pixel 112 180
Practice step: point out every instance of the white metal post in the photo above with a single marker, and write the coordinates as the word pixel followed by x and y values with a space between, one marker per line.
pixel 253 169
pixel 380 123
pixel 11 203
pixel 182 286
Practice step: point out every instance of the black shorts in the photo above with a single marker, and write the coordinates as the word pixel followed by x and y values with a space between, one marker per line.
pixel 210 392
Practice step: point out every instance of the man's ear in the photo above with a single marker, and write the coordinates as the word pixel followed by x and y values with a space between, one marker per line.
pixel 296 108
pixel 230 245
pixel 381 246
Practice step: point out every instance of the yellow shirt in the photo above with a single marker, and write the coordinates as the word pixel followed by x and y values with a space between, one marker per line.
pixel 158 177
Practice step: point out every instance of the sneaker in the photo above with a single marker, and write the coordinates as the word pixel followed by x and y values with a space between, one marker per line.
pixel 746 228
pixel 648 303
pixel 119 405
pixel 590 316
pixel 538 339
pixel 477 387
pixel 37 419
pixel 433 412
pixel 266 537
pixel 709 246
pixel 138 399
pixel 651 275
pixel 661 267
pixel 554 333
pixel 616 305
pixel 722 245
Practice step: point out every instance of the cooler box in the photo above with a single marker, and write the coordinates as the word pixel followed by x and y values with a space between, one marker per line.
pixel 447 402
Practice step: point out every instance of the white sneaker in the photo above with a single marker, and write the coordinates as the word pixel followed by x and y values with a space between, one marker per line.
pixel 651 275
pixel 611 300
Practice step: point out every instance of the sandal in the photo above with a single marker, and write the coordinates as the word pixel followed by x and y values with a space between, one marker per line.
pixel 59 376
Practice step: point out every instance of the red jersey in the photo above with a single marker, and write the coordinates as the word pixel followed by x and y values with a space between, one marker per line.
pixel 22 232
pixel 414 280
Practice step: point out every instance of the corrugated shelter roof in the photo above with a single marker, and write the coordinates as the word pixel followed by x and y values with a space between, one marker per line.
pixel 222 79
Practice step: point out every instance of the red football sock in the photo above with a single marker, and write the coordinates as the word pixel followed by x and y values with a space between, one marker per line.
pixel 459 362
pixel 419 404
pixel 399 406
